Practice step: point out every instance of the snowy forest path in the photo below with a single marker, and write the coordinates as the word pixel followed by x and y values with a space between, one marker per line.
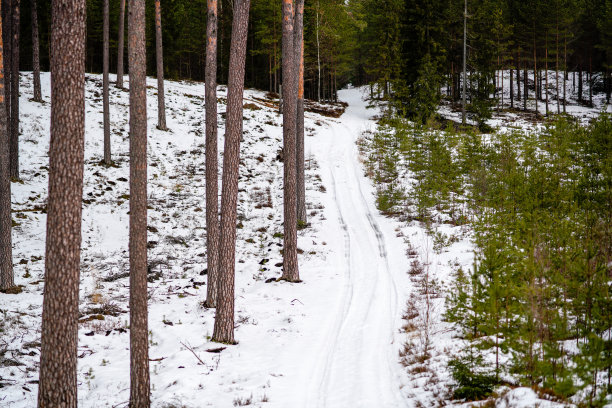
pixel 356 364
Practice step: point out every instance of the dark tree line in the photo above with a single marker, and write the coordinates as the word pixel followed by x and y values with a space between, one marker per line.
pixel 412 52
pixel 328 41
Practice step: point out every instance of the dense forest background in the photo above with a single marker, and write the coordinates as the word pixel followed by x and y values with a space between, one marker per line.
pixel 410 48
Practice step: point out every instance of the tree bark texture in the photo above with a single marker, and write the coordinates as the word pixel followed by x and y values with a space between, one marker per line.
pixel 6 248
pixel 299 52
pixel 7 23
pixel 105 96
pixel 212 188
pixel 224 319
pixel 290 82
pixel 161 101
pixel 525 88
pixel 120 51
pixel 35 54
pixel 15 90
pixel 58 358
pixel 139 345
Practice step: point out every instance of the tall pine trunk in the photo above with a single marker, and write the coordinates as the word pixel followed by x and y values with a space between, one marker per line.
pixel 161 100
pixel 58 356
pixel 105 96
pixel 120 48
pixel 290 82
pixel 590 80
pixel 139 344
pixel 7 23
pixel 224 319
pixel 564 73
pixel 299 56
pixel 580 84
pixel 535 71
pixel 557 66
pixel 15 90
pixel 525 87
pixel 546 73
pixel 35 54
pixel 6 248
pixel 318 54
pixel 511 88
pixel 518 77
pixel 212 189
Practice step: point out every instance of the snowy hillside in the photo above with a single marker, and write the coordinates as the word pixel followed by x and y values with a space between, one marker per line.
pixel 297 342
pixel 350 335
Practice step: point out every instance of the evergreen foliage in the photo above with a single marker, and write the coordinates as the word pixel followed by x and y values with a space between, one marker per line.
pixel 536 305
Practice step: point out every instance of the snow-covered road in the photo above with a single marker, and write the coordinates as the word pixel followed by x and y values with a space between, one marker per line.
pixel 356 362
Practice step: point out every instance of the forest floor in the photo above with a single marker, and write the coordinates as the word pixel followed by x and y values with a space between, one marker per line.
pixel 332 340
pixel 335 340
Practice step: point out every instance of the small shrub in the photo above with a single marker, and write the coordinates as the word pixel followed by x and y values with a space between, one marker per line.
pixel 471 384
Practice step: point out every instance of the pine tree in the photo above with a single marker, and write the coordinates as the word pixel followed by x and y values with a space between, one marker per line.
pixel 161 101
pixel 35 53
pixel 120 51
pixel 224 319
pixel 139 341
pixel 299 58
pixel 14 117
pixel 7 24
pixel 212 194
pixel 105 95
pixel 290 82
pixel 58 356
pixel 6 248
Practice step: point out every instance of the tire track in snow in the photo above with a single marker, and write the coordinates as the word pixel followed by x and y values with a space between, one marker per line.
pixel 357 359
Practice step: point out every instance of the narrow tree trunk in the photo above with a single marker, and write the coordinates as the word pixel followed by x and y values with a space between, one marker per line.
pixel 139 342
pixel 161 100
pixel 535 72
pixel 7 23
pixel 511 88
pixel 290 262
pixel 502 87
pixel 608 90
pixel 546 74
pixel 580 84
pixel 525 86
pixel 557 66
pixel 540 97
pixel 452 82
pixel 120 51
pixel 518 78
pixel 275 55
pixel 463 95
pixel 58 356
pixel 590 80
pixel 299 58
pixel 15 91
pixel 35 54
pixel 564 73
pixel 224 319
pixel 212 189
pixel 105 96
pixel 318 54
pixel 6 248
pixel 221 59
